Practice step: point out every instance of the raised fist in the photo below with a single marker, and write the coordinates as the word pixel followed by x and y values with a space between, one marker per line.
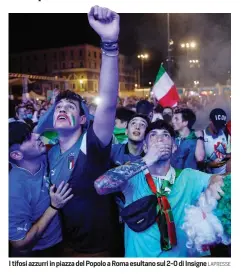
pixel 105 22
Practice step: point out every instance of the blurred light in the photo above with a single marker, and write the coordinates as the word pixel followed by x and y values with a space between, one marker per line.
pixel 153 93
pixel 190 61
pixel 193 44
pixel 146 95
pixel 81 81
pixel 183 45
pixel 149 83
pixel 136 85
pixel 37 98
pixel 214 94
pixel 200 96
pixel 187 45
pixel 143 56
pixel 171 42
pixel 97 100
pixel 197 61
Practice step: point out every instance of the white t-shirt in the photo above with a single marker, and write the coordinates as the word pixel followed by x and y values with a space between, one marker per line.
pixel 215 147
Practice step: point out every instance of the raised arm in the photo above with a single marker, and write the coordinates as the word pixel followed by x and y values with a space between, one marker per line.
pixel 200 150
pixel 115 179
pixel 106 24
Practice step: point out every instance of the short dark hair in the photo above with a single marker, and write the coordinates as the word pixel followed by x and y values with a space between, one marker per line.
pixel 124 114
pixel 70 95
pixel 160 124
pixel 18 133
pixel 19 107
pixel 187 115
pixel 168 107
pixel 158 109
pixel 144 107
pixel 146 118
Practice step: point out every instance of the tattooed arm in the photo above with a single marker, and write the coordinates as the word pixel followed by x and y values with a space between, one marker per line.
pixel 115 179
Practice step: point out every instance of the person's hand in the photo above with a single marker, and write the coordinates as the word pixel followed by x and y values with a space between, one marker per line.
pixel 105 22
pixel 61 196
pixel 214 188
pixel 155 152
pixel 216 163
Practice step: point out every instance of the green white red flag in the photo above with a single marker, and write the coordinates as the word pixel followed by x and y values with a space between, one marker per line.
pixel 165 90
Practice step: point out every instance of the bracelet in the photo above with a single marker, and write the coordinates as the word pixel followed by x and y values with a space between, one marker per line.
pixel 109 46
pixel 55 208
pixel 110 53
pixel 201 138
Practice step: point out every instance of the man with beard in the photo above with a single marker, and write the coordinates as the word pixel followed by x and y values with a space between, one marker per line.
pixel 133 149
pixel 81 156
pixel 34 223
pixel 154 229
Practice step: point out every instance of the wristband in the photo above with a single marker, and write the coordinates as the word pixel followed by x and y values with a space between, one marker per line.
pixel 201 138
pixel 55 208
pixel 109 46
pixel 112 54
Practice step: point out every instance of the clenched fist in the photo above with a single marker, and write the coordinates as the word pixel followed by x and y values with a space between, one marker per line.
pixel 105 22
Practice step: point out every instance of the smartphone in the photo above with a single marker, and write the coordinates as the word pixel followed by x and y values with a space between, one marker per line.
pixel 225 159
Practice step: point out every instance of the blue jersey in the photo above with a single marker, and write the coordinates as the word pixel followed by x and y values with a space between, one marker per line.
pixel 120 155
pixel 87 217
pixel 28 200
pixel 185 191
pixel 184 156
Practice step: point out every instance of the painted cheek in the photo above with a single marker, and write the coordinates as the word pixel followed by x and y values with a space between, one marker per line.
pixel 73 122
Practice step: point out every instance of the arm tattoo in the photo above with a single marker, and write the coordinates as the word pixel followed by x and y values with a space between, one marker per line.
pixel 114 179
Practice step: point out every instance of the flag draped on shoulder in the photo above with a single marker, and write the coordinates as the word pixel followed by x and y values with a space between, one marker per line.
pixel 165 90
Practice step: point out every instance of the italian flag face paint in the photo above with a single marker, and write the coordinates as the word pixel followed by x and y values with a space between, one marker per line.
pixel 72 120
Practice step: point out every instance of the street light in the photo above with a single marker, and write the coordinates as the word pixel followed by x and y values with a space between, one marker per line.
pixel 193 44
pixel 143 57
pixel 188 45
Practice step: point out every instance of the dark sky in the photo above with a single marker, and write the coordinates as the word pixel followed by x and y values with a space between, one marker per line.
pixel 138 33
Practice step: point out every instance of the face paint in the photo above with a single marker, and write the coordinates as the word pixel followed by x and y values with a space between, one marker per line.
pixel 72 120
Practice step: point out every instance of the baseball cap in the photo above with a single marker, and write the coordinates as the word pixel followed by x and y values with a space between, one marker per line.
pixel 18 132
pixel 218 118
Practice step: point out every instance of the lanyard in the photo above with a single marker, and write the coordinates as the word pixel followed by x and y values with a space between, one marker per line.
pixel 165 219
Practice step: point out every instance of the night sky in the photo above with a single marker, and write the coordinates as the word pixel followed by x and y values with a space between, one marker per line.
pixel 138 33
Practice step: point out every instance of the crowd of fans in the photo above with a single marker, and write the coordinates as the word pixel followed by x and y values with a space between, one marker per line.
pixel 76 168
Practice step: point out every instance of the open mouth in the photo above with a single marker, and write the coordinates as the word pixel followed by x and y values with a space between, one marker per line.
pixel 136 133
pixel 63 117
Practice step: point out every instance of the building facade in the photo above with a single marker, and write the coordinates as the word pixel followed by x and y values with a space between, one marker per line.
pixel 79 65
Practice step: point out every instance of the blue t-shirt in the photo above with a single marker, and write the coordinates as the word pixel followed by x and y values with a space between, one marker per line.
pixel 185 191
pixel 28 200
pixel 184 156
pixel 88 223
pixel 120 155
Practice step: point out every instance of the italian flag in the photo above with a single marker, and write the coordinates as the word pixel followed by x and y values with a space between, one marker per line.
pixel 165 90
